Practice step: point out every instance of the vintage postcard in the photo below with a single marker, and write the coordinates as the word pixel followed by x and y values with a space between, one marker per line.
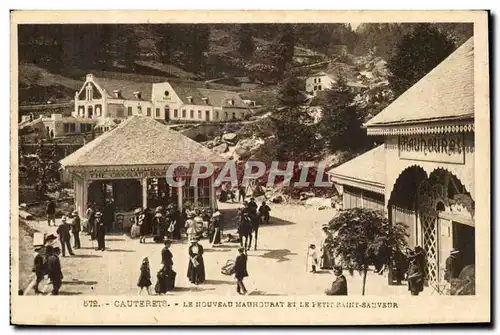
pixel 250 168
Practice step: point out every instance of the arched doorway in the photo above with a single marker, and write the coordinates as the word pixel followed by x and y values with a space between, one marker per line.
pixel 446 212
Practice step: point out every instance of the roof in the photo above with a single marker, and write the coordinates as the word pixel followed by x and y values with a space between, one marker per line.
pixel 366 171
pixel 445 93
pixel 140 140
pixel 126 87
pixel 217 98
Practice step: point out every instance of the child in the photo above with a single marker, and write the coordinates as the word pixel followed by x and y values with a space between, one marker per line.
pixel 145 276
pixel 312 256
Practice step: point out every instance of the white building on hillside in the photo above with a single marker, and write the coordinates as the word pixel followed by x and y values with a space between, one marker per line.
pixel 319 82
pixel 110 98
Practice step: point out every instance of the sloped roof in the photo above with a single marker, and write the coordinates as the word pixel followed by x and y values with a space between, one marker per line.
pixel 445 93
pixel 366 171
pixel 140 140
pixel 126 87
pixel 217 98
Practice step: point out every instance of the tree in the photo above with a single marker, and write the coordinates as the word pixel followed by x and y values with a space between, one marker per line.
pixel 282 49
pixel 341 125
pixel 363 237
pixel 246 47
pixel 290 93
pixel 417 54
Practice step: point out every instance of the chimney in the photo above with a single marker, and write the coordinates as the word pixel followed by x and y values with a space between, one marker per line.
pixel 117 94
pixel 137 95
pixel 205 100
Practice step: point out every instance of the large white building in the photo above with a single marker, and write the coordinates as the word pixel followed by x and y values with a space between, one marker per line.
pixel 168 101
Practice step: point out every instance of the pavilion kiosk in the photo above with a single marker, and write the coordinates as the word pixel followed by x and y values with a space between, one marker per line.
pixel 126 168
pixel 424 172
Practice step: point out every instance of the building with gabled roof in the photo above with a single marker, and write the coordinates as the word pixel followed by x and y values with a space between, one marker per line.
pixel 425 169
pixel 129 165
pixel 167 101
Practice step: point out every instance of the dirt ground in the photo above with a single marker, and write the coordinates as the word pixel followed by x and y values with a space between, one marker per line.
pixel 277 267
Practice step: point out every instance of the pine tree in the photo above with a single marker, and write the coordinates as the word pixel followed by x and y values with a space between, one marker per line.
pixel 416 55
pixel 246 46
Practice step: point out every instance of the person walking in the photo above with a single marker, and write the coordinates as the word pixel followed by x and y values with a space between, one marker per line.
pixel 64 236
pixel 39 268
pixel 240 271
pixel 196 267
pixel 145 276
pixel 190 227
pixel 50 211
pixel 54 269
pixel 264 211
pixel 76 227
pixel 100 232
pixel 339 285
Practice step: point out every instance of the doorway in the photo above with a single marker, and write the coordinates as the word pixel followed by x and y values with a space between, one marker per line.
pixel 167 114
pixel 464 239
pixel 207 115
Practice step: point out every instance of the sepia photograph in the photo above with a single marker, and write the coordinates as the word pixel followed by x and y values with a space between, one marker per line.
pixel 185 165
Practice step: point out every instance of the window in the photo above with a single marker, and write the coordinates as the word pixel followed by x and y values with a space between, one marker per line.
pixel 188 192
pixel 204 192
pixel 66 127
pixel 225 115
pixel 199 114
pixel 167 93
pixel 176 114
pixel 191 114
pixel 319 80
pixel 148 111
pixel 319 87
pixel 157 112
pixel 216 115
pixel 234 115
pixel 184 113
pixel 315 80
pixel 72 127
pixel 129 111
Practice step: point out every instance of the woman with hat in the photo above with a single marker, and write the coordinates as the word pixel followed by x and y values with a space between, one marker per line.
pixel 416 273
pixel 216 225
pixel 190 226
pixel 158 223
pixel 196 267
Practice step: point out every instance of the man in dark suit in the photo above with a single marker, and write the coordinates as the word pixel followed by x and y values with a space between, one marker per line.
pixel 166 256
pixel 100 232
pixel 39 268
pixel 64 236
pixel 339 286
pixel 240 271
pixel 54 270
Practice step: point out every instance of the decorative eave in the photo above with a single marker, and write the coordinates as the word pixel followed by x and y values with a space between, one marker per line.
pixel 462 126
pixel 358 183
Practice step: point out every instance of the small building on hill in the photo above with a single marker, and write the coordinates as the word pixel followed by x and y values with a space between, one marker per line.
pixel 129 165
pixel 167 101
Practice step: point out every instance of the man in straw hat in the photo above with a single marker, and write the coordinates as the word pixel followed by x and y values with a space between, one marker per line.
pixel 76 227
pixel 339 285
pixel 453 266
pixel 64 236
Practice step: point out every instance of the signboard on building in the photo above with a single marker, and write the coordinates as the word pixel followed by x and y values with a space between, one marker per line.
pixel 442 148
pixel 135 173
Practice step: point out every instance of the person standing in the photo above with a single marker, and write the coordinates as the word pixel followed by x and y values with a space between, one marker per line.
pixel 100 232
pixel 145 276
pixel 264 210
pixel 240 271
pixel 216 225
pixel 54 270
pixel 196 267
pixel 252 206
pixel 50 211
pixel 39 268
pixel 415 274
pixel 179 223
pixel 241 193
pixel 166 255
pixel 90 219
pixel 190 227
pixel 453 266
pixel 327 257
pixel 76 227
pixel 339 285
pixel 64 236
